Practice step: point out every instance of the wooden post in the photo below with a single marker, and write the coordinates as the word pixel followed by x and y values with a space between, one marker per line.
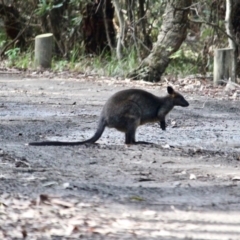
pixel 43 50
pixel 223 68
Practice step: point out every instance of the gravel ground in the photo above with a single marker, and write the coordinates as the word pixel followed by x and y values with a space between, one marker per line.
pixel 183 186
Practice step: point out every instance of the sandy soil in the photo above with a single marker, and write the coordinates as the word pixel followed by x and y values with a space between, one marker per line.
pixel 183 186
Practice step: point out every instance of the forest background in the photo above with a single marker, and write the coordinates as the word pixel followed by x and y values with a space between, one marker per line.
pixel 119 38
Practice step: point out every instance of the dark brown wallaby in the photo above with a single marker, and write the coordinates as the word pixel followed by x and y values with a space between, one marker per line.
pixel 128 109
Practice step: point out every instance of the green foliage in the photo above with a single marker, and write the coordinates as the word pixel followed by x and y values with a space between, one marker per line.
pixel 206 32
pixel 181 67
pixel 77 51
pixel 115 67
pixel 45 6
pixel 76 21
pixel 60 65
pixel 104 65
pixel 12 55
pixel 19 60
pixel 25 60
pixel 2 38
pixel 183 61
pixel 108 65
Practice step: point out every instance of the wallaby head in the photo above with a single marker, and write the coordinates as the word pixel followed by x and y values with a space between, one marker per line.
pixel 177 98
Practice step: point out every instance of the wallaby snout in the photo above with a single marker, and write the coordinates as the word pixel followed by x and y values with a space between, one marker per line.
pixel 178 99
pixel 185 103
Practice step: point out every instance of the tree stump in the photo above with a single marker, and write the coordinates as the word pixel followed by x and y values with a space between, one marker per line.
pixel 223 65
pixel 43 50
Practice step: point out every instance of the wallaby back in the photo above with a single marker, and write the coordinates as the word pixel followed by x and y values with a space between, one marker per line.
pixel 141 104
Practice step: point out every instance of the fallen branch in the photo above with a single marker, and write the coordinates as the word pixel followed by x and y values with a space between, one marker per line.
pixel 233 83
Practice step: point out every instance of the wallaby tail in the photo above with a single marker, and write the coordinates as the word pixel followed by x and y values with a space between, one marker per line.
pixel 93 139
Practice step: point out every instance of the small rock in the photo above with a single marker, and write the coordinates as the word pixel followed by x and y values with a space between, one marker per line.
pixel 230 86
pixel 192 176
pixel 236 178
pixel 236 95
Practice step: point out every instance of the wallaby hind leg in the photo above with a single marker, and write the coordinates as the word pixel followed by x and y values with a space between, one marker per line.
pixel 131 132
pixel 131 127
pixel 130 137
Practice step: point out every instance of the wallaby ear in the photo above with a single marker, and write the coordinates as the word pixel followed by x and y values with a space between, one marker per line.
pixel 170 90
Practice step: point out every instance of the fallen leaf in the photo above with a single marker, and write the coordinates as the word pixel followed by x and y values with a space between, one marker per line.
pixel 137 198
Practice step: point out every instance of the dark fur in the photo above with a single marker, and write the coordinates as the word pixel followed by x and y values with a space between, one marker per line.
pixel 128 109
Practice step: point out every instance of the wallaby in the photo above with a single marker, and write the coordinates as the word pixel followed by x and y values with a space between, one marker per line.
pixel 126 110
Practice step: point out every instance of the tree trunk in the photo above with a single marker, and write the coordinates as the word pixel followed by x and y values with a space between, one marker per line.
pixel 173 32
pixel 120 37
pixel 232 44
pixel 236 30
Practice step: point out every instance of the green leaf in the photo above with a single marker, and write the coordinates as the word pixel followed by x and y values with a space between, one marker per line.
pixel 57 6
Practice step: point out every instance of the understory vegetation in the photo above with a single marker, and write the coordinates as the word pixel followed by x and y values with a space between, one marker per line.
pixel 78 48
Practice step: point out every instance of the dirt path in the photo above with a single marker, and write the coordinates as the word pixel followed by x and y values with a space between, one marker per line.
pixel 184 186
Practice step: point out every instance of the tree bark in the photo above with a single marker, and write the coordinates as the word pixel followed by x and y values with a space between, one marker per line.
pixel 232 44
pixel 173 32
pixel 120 36
pixel 236 30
